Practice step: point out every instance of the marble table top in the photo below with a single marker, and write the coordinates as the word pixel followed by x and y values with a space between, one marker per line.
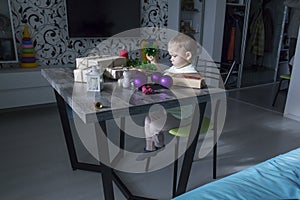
pixel 118 101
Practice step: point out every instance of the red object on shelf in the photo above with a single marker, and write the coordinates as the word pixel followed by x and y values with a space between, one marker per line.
pixel 230 52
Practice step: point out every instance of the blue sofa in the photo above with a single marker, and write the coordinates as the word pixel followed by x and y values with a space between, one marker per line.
pixel 276 178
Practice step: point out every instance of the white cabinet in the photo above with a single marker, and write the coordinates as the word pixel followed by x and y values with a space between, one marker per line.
pixel 24 87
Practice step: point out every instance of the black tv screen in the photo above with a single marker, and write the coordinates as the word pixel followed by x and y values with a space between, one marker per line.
pixel 102 18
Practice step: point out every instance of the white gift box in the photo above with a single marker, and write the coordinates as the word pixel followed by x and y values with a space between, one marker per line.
pixel 83 65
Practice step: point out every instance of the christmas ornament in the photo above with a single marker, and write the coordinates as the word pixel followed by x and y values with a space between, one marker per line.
pixel 123 53
pixel 140 79
pixel 166 81
pixel 155 77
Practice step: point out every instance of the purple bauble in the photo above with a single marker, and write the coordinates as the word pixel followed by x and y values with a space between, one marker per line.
pixel 166 81
pixel 155 77
pixel 139 79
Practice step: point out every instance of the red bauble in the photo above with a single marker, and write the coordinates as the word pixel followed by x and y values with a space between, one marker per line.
pixel 123 53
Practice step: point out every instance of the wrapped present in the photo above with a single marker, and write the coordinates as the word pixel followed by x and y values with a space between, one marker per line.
pixel 114 73
pixel 192 80
pixel 103 62
pixel 117 72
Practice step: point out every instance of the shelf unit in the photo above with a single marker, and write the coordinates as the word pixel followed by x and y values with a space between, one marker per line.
pixel 232 69
pixel 283 50
pixel 191 18
pixel 256 69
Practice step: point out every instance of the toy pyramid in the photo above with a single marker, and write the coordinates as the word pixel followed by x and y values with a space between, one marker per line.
pixel 28 55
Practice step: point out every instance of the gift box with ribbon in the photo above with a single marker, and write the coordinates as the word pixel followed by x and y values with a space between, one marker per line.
pixel 102 62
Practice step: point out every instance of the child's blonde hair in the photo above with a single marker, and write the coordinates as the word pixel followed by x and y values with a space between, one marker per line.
pixel 184 42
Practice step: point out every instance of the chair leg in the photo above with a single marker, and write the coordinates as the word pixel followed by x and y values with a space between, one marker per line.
pixel 215 161
pixel 287 92
pixel 147 164
pixel 278 90
pixel 215 153
pixel 175 167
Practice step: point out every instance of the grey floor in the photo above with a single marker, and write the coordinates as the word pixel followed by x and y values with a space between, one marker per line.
pixel 35 163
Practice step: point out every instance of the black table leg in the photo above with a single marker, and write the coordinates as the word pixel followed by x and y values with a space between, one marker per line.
pixel 215 149
pixel 103 152
pixel 120 154
pixel 191 148
pixel 107 173
pixel 62 108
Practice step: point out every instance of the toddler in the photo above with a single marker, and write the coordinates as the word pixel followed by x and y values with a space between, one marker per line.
pixel 182 49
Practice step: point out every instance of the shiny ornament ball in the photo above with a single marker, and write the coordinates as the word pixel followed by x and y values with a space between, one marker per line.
pixel 166 81
pixel 155 77
pixel 123 53
pixel 140 79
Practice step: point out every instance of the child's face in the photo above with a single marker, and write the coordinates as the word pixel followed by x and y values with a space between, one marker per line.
pixel 178 58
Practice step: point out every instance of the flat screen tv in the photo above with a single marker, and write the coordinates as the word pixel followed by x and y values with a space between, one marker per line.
pixel 101 18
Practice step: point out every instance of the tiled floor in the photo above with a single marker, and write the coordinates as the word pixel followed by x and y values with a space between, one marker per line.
pixel 262 96
pixel 35 163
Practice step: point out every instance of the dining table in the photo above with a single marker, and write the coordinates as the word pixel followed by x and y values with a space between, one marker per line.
pixel 114 102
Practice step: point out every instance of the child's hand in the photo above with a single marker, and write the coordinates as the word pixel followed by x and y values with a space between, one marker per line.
pixel 151 58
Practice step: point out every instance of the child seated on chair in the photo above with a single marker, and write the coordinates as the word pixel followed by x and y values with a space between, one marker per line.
pixel 181 48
